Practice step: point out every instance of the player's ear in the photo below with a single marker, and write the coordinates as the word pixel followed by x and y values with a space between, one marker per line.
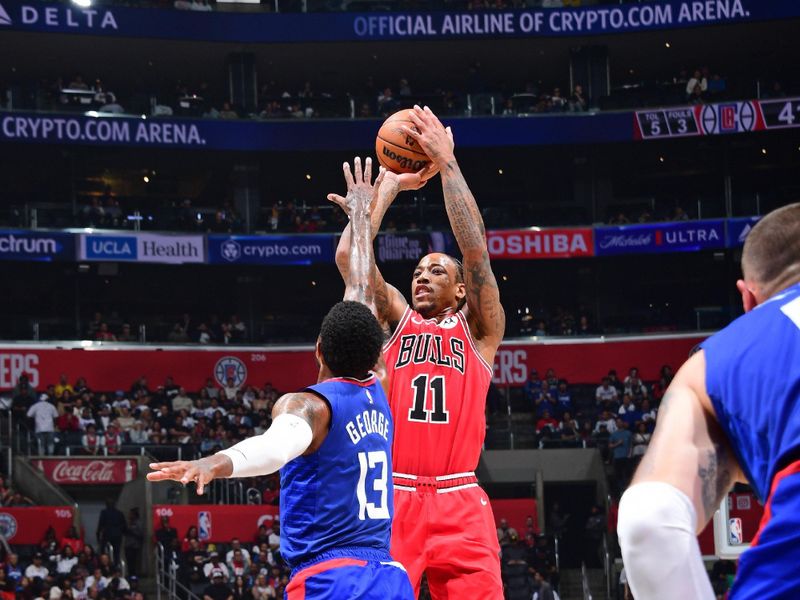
pixel 749 301
pixel 318 353
pixel 461 292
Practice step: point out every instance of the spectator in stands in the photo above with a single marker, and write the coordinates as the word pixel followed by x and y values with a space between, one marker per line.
pixel 68 423
pixel 387 104
pixel 73 540
pixel 37 568
pixel 577 101
pixel 98 580
pixel 551 380
pixel 110 528
pixel 505 532
pixel 182 401
pixel 44 415
pixel 606 395
pixel 542 587
pixel 178 335
pixel 227 111
pixel 134 541
pixel 648 415
pixel 628 411
pixel 639 441
pixel 546 426
pixel 215 565
pixel 7 588
pixel 218 590
pixel 557 101
pixel 634 386
pixel 563 396
pixel 77 83
pixel 614 381
pixel 230 390
pixel 63 384
pixel 66 561
pixel 137 434
pixel 104 335
pixel 191 534
pixel 607 421
pixel 584 329
pixel 13 570
pixel 125 334
pixel 696 86
pixel 261 590
pixel 79 590
pixel 620 445
pixel 533 386
pixel 665 378
pixel 568 430
pixel 236 544
pixel 140 386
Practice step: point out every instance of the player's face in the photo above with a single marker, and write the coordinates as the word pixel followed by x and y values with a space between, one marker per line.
pixel 434 286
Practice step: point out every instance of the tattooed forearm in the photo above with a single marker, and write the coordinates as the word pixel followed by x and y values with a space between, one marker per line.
pixel 715 478
pixel 483 296
pixel 462 210
pixel 361 276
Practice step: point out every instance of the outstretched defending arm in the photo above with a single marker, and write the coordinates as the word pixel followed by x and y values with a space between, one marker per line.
pixel 688 469
pixel 299 425
pixel 386 302
pixel 485 313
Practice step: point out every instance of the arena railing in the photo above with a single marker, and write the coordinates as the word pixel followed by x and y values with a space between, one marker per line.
pixel 167 579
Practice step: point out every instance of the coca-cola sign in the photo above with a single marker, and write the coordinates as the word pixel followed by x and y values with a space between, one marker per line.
pixel 87 471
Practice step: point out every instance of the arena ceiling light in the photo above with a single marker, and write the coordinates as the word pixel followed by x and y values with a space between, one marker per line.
pixel 82 3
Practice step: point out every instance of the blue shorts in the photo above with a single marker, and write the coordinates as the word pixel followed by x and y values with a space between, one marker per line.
pixel 769 570
pixel 350 579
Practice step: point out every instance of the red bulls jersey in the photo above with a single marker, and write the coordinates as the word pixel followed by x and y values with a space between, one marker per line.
pixel 437 396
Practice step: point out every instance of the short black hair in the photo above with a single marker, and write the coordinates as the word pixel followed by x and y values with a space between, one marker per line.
pixel 350 339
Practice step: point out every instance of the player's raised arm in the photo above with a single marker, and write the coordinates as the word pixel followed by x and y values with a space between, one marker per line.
pixel 687 471
pixel 386 302
pixel 485 313
pixel 299 424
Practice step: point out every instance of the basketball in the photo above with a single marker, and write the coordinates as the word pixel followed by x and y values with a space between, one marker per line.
pixel 397 151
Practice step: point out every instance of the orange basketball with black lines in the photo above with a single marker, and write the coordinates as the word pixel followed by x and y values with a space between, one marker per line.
pixel 397 151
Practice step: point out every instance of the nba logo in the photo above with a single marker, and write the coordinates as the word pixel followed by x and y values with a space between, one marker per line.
pixel 735 531
pixel 204 525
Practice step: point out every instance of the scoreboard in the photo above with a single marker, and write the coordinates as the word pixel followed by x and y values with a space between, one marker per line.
pixel 716 119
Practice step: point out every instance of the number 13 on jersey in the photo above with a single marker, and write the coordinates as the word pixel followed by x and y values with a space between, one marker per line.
pixel 373 463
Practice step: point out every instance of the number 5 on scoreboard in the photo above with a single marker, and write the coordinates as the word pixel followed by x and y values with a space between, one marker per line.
pixel 369 461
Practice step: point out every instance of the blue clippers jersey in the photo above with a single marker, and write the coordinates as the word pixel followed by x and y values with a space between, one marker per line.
pixel 341 496
pixel 753 380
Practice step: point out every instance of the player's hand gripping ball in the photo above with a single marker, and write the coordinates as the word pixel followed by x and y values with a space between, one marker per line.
pixel 397 151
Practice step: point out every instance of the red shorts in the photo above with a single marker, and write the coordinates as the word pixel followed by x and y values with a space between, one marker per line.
pixel 449 534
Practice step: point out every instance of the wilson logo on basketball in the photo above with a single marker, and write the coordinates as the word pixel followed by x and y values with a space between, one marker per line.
pixel 404 161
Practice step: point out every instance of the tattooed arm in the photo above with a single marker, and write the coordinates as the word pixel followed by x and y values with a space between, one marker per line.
pixel 388 303
pixel 689 449
pixel 485 313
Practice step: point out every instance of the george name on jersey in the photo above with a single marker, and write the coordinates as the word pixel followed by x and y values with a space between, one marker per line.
pixel 366 423
pixel 428 348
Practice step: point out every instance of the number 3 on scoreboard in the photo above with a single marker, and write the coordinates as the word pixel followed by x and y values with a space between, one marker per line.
pixel 369 461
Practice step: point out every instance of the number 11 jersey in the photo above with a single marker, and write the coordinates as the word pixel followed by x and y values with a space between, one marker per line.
pixel 439 383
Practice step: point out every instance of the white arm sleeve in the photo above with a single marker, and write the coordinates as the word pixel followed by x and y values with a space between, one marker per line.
pixel 286 439
pixel 656 530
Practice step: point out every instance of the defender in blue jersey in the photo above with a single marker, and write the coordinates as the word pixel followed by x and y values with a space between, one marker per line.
pixel 333 445
pixel 731 414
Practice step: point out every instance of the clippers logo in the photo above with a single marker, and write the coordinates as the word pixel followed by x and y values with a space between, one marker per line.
pixel 4 18
pixel 8 526
pixel 231 250
pixel 230 367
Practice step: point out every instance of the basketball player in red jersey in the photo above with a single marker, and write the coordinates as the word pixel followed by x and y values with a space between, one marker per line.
pixel 439 359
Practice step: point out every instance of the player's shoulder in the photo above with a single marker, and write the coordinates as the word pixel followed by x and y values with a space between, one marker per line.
pixel 750 340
